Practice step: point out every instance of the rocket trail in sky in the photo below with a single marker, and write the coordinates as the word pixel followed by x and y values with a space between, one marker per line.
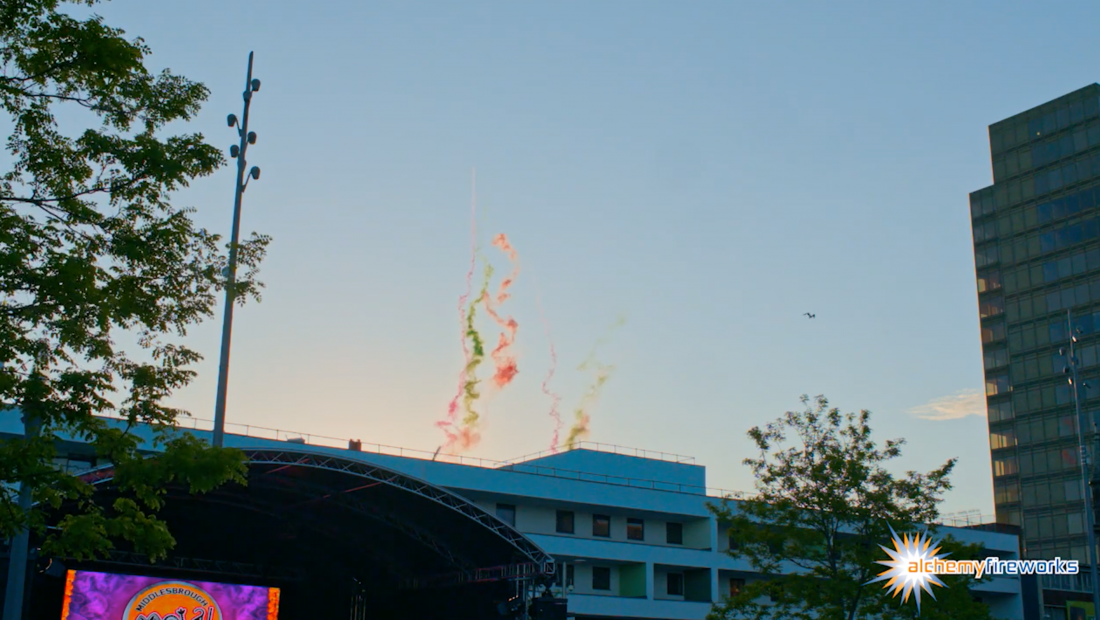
pixel 555 399
pixel 583 414
pixel 451 420
pixel 502 355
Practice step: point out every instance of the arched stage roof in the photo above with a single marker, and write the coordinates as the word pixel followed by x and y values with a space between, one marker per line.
pixel 329 530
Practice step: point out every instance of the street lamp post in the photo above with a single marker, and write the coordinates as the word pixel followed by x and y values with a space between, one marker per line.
pixel 1086 462
pixel 238 152
pixel 16 588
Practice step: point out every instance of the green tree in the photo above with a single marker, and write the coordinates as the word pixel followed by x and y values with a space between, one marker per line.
pixel 825 503
pixel 93 251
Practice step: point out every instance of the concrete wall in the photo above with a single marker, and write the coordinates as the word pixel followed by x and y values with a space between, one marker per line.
pixel 675 476
pixel 540 518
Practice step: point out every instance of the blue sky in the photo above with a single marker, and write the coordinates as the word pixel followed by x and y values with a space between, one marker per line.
pixel 711 170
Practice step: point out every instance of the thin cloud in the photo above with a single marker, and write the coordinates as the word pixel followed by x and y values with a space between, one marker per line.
pixel 960 405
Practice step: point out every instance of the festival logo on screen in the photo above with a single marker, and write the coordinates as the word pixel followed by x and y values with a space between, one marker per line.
pixel 92 595
pixel 172 600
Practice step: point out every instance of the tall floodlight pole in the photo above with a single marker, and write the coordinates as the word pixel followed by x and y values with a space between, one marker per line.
pixel 1086 460
pixel 238 152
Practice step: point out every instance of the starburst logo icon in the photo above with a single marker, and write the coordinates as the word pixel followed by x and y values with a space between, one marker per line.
pixel 908 567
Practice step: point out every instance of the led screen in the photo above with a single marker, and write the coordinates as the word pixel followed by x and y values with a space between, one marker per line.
pixel 106 596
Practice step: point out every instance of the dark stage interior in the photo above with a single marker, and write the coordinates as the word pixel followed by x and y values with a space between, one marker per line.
pixel 335 535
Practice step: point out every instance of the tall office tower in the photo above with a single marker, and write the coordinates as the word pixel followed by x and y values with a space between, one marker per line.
pixel 1037 255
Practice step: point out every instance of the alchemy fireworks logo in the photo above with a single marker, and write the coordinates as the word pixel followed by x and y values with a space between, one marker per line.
pixel 915 561
pixel 911 567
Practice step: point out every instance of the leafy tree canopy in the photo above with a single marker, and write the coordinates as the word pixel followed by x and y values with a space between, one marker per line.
pixel 93 251
pixel 825 503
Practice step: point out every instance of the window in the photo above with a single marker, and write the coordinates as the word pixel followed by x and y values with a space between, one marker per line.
pixel 996 358
pixel 1073 490
pixel 986 256
pixel 507 513
pixel 1067 426
pixel 993 333
pixel 1005 467
pixel 601 526
pixel 565 522
pixel 999 412
pixel 74 464
pixel 1006 493
pixel 675 584
pixel 733 544
pixel 635 529
pixel 674 533
pixel 1075 524
pixel 569 574
pixel 989 281
pixel 601 578
pixel 1063 395
pixel 1057 331
pixel 1069 458
pixel 997 384
pixel 1002 439
pixel 736 585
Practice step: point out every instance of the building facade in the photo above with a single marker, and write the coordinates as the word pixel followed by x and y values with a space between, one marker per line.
pixel 1036 233
pixel 630 530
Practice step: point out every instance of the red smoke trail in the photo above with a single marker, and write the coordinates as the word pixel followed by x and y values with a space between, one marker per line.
pixel 502 354
pixel 452 409
pixel 555 399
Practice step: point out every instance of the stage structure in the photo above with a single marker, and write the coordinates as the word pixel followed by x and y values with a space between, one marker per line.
pixel 338 538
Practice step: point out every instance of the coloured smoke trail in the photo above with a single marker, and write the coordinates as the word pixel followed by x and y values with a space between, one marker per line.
pixel 583 414
pixel 555 399
pixel 467 435
pixel 464 323
pixel 506 368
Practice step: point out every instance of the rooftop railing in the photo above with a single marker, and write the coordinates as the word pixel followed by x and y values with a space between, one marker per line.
pixel 966 518
pixel 517 465
pixel 521 465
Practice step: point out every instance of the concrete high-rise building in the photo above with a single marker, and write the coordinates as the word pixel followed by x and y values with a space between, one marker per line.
pixel 1037 255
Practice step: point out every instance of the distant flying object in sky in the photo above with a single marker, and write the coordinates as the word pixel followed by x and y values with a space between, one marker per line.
pixel 809 315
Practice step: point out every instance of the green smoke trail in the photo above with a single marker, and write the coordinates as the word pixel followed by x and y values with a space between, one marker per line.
pixel 582 415
pixel 477 354
pixel 619 322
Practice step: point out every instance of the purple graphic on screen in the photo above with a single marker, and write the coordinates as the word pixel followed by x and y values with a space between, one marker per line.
pixel 105 596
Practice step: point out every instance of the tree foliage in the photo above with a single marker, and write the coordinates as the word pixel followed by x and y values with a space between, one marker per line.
pixel 93 252
pixel 825 503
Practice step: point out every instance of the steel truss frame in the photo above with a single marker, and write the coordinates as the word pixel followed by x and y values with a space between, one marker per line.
pixel 342 498
pixel 445 498
pixel 538 561
pixel 523 572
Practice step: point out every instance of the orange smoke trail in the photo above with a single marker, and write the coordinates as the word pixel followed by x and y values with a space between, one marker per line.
pixel 502 354
pixel 451 420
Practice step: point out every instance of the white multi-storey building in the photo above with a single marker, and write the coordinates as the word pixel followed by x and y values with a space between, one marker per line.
pixel 631 528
